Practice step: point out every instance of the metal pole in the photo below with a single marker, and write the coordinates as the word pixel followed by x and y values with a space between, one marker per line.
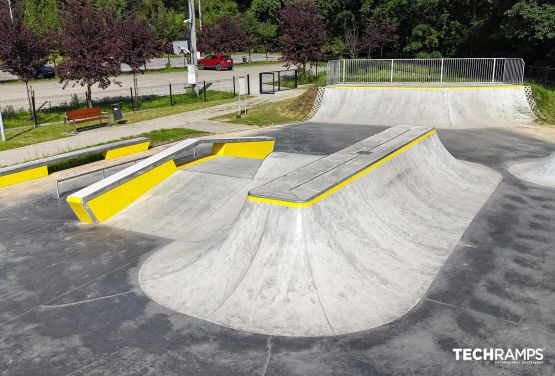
pixel 2 134
pixel 132 101
pixel 493 73
pixel 192 33
pixel 441 77
pixel 171 96
pixel 34 109
pixel 234 93
pixel 11 13
pixel 391 76
pixel 249 83
pixel 205 91
pixel 199 16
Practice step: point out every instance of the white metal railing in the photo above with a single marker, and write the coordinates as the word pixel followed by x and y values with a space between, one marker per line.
pixel 468 70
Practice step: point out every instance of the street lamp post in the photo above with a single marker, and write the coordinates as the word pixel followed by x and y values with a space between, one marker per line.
pixel 192 33
pixel 10 7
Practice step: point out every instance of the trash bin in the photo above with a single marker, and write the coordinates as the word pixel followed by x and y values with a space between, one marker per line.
pixel 244 59
pixel 116 112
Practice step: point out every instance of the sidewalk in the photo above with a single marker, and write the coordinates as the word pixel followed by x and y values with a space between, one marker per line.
pixel 196 120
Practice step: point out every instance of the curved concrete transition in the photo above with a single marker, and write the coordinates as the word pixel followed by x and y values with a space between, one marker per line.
pixel 541 172
pixel 363 254
pixel 440 107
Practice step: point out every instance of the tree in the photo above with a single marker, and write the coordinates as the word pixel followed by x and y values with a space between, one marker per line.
pixel 213 10
pixel 41 16
pixel 168 26
pixel 261 34
pixel 303 34
pixel 227 34
pixel 90 43
pixel 379 35
pixel 353 42
pixel 139 46
pixel 22 51
pixel 268 10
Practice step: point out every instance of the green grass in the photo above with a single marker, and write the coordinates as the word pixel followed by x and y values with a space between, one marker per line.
pixel 282 112
pixel 18 137
pixel 56 114
pixel 545 101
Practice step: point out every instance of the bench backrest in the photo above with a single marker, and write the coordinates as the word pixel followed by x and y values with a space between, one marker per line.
pixel 83 113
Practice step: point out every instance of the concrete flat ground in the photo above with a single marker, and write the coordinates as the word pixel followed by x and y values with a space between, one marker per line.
pixel 71 305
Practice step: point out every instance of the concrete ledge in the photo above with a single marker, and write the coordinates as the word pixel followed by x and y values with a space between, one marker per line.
pixel 39 168
pixel 105 198
pixel 317 180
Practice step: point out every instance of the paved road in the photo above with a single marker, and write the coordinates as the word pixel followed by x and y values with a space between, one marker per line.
pixel 150 84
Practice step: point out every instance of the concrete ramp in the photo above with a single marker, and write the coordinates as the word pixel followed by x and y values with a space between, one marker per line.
pixel 541 172
pixel 340 244
pixel 440 107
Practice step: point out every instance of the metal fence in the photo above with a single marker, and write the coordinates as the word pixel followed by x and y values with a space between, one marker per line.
pixel 270 82
pixel 470 70
pixel 540 75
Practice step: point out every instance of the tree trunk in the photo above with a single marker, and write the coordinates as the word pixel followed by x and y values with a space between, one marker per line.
pixel 89 96
pixel 136 89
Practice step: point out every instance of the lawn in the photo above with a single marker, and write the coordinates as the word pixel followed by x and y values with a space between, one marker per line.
pixel 282 112
pixel 23 136
pixel 545 101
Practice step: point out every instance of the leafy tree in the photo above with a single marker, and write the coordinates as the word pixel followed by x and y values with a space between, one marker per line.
pixel 213 10
pixel 168 26
pixel 379 35
pixel 41 16
pixel 138 47
pixel 353 42
pixel 22 51
pixel 90 44
pixel 120 7
pixel 268 10
pixel 334 47
pixel 226 34
pixel 302 34
pixel 260 34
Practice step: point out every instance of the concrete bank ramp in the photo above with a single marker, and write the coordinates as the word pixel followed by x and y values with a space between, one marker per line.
pixel 541 172
pixel 345 243
pixel 440 107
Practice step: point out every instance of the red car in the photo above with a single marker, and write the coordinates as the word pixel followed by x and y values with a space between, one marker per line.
pixel 216 61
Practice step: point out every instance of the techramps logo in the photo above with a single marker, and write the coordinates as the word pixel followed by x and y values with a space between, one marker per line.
pixel 500 356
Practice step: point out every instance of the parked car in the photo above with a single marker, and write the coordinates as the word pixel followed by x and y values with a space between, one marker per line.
pixel 216 61
pixel 46 71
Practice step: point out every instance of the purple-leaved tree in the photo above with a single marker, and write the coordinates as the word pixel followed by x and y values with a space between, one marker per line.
pixel 91 44
pixel 302 34
pixel 22 52
pixel 379 35
pixel 225 35
pixel 138 47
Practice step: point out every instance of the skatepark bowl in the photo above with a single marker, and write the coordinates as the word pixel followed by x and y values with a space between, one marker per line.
pixel 398 223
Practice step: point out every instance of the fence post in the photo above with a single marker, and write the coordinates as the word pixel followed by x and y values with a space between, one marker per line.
pixel 249 84
pixel 279 81
pixel 34 109
pixel 2 134
pixel 204 90
pixel 260 83
pixel 297 78
pixel 171 96
pixel 391 76
pixel 234 93
pixel 343 75
pixel 493 73
pixel 132 99
pixel 441 76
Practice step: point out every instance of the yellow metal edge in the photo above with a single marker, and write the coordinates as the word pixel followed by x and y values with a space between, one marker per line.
pixel 249 149
pixel 113 201
pixel 21 176
pixel 427 88
pixel 76 205
pixel 126 150
pixel 344 182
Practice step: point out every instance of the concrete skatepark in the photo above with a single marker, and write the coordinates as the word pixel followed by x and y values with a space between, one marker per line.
pixel 363 242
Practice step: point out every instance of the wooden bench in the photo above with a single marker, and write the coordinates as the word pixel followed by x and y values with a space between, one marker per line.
pixel 84 115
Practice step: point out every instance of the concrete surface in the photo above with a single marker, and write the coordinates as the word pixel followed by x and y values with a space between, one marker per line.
pixel 440 107
pixel 355 260
pixel 70 303
pixel 540 172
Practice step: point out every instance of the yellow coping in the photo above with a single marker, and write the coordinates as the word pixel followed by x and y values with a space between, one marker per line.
pixel 110 202
pixel 126 150
pixel 427 88
pixel 253 149
pixel 21 176
pixel 344 182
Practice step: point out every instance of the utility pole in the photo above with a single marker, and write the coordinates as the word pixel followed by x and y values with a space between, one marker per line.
pixel 192 33
pixel 199 16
